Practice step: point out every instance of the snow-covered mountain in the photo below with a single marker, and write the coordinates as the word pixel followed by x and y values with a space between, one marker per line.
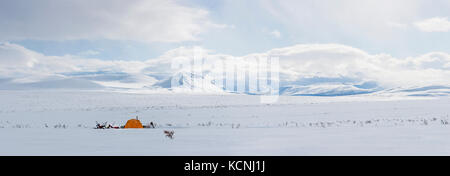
pixel 62 83
pixel 304 70
pixel 188 81
pixel 185 81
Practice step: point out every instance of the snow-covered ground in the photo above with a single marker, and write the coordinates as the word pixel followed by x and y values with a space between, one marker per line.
pixel 61 123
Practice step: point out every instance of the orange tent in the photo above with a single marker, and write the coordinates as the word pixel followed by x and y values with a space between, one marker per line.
pixel 133 123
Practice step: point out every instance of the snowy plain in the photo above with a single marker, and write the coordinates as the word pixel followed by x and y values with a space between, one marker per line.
pixel 46 122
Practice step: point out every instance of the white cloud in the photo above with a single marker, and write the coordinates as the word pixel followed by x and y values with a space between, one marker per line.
pixel 340 61
pixel 436 24
pixel 89 53
pixel 370 18
pixel 12 56
pixel 139 20
pixel 275 33
pixel 18 62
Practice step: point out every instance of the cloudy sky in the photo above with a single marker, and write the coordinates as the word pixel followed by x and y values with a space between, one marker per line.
pixel 139 30
pixel 50 37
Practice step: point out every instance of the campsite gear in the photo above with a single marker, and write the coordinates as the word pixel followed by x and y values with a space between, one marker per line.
pixel 150 125
pixel 169 134
pixel 133 123
pixel 100 126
